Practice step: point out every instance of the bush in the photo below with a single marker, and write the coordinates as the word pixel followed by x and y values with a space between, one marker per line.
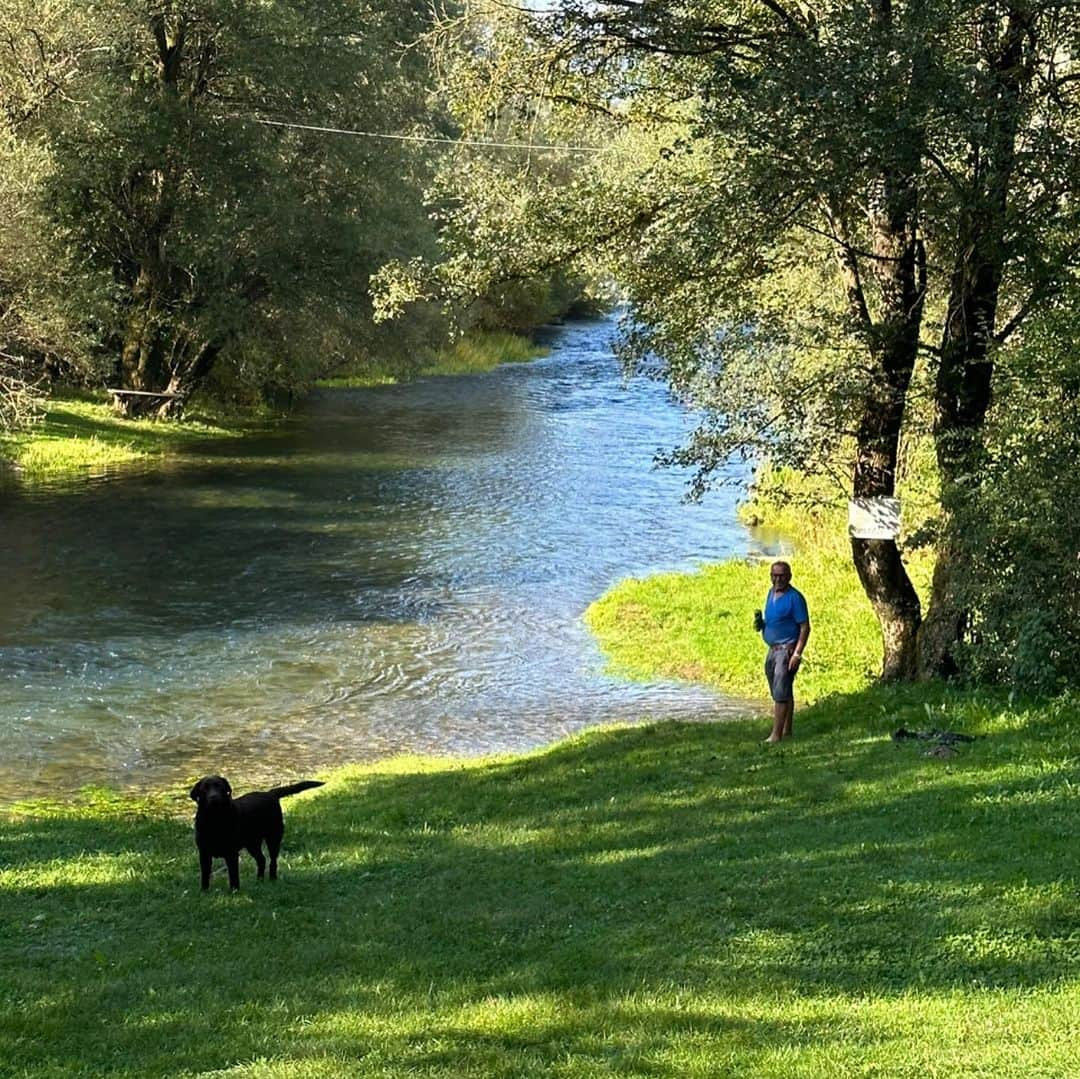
pixel 1021 531
pixel 20 401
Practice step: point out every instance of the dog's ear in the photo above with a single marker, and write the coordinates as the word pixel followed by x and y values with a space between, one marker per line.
pixel 196 791
pixel 228 787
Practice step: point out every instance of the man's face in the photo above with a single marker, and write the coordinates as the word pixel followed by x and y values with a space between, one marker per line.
pixel 780 578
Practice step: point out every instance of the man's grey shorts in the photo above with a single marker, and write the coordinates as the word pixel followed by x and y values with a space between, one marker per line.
pixel 781 680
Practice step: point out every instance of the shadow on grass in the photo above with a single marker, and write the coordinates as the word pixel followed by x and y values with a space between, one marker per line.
pixel 620 900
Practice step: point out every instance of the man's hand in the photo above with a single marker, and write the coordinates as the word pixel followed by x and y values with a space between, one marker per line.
pixel 793 663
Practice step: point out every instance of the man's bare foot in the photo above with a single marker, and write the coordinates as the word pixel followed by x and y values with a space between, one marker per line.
pixel 771 741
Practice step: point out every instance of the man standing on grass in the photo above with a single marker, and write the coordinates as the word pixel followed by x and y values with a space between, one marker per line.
pixel 785 627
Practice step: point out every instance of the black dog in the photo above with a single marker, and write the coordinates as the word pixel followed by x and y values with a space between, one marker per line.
pixel 224 825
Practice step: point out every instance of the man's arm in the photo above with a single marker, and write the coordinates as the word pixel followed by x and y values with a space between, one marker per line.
pixel 800 644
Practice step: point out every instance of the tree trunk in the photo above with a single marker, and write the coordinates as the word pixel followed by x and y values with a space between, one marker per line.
pixel 897 264
pixel 143 363
pixel 895 602
pixel 186 379
pixel 965 371
pixel 878 562
pixel 962 399
pixel 140 352
pixel 946 618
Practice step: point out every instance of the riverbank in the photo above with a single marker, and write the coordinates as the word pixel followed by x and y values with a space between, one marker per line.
pixel 81 433
pixel 663 900
pixel 473 354
pixel 699 626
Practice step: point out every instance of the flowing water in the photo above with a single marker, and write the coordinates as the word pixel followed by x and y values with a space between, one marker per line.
pixel 403 569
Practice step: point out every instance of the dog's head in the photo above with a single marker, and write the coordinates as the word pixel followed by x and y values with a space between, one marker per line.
pixel 211 791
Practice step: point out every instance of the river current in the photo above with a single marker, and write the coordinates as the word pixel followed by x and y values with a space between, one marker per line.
pixel 401 569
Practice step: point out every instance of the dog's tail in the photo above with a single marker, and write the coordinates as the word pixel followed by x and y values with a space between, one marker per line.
pixel 295 788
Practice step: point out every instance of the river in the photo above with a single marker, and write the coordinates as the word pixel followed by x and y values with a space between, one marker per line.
pixel 402 569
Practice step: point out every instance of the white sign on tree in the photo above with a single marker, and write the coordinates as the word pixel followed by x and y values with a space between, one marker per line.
pixel 874 518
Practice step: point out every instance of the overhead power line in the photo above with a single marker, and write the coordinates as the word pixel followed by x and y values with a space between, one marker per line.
pixel 445 140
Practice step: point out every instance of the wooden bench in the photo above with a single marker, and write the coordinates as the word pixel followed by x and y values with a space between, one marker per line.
pixel 142 400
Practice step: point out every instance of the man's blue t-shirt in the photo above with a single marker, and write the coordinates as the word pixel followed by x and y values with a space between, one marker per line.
pixel 783 615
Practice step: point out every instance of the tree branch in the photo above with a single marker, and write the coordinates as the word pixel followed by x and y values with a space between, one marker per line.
pixel 847 260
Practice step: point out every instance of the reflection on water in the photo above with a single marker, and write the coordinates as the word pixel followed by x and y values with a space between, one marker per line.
pixel 404 571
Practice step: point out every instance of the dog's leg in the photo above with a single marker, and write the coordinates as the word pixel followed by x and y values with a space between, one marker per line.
pixel 256 852
pixel 273 845
pixel 232 861
pixel 206 863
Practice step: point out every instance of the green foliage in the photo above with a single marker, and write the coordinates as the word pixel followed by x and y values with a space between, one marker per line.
pixel 829 222
pixel 19 402
pixel 173 229
pixel 673 899
pixel 812 507
pixel 473 353
pixel 518 307
pixel 699 626
pixel 43 45
pixel 1019 526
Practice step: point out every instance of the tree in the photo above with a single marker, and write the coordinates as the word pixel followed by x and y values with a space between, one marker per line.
pixel 846 196
pixel 213 221
pixel 42 49
pixel 1021 535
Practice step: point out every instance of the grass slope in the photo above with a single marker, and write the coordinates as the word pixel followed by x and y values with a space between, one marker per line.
pixel 670 900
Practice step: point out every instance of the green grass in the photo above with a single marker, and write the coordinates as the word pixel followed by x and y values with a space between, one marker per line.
pixel 477 353
pixel 472 354
pixel 699 626
pixel 672 900
pixel 82 433
pixel 669 900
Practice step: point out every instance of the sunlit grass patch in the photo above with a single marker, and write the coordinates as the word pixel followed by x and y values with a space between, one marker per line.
pixel 89 868
pixel 475 353
pixel 358 381
pixel 82 433
pixel 56 454
pixel 699 627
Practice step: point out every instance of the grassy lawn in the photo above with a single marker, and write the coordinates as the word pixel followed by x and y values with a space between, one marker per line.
pixel 667 900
